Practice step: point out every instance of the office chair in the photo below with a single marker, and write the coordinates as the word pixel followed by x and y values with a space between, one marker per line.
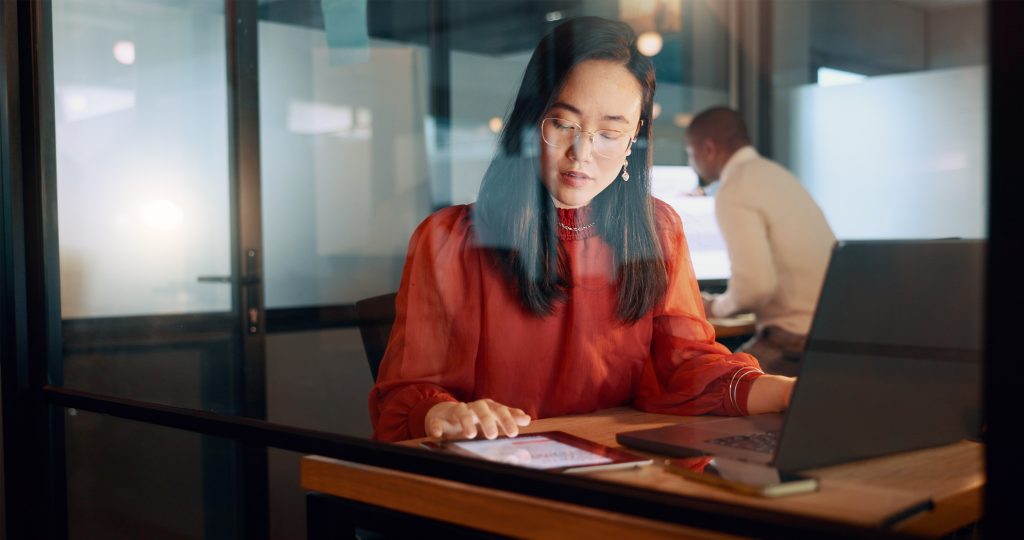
pixel 376 315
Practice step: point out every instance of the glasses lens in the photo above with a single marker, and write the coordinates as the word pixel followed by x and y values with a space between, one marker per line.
pixel 558 133
pixel 610 143
pixel 562 133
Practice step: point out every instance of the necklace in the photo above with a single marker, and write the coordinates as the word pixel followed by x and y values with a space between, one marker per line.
pixel 576 229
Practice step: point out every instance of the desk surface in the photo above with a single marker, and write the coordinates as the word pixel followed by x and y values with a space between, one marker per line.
pixel 866 493
pixel 739 325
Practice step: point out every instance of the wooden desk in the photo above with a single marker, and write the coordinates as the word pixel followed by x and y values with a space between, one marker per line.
pixel 868 493
pixel 740 325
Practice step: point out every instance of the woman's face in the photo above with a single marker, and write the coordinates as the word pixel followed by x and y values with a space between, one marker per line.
pixel 604 99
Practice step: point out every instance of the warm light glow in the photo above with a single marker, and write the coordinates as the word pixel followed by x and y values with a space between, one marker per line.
pixel 124 52
pixel 161 215
pixel 494 124
pixel 649 43
pixel 683 119
pixel 656 110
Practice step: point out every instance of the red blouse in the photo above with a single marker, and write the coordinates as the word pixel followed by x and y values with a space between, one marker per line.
pixel 460 334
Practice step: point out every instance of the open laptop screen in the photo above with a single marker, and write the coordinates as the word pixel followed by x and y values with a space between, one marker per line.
pixel 673 184
pixel 893 359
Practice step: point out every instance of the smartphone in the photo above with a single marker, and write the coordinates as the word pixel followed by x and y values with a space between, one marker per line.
pixel 742 477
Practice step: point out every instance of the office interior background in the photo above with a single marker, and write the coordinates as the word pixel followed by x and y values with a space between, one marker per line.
pixel 227 179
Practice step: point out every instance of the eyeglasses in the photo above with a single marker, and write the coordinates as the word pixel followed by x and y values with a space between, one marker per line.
pixel 605 142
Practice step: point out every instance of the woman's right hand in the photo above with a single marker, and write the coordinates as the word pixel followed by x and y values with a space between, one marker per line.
pixel 454 419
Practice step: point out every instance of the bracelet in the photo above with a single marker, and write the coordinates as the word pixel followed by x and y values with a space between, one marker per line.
pixel 732 384
pixel 735 382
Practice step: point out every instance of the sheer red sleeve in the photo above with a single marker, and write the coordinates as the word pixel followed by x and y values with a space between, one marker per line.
pixel 688 372
pixel 431 353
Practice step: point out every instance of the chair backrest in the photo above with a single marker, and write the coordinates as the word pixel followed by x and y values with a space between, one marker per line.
pixel 376 315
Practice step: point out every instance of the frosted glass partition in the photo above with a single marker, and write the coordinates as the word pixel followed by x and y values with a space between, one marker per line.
pixel 344 166
pixel 483 88
pixel 142 166
pixel 899 156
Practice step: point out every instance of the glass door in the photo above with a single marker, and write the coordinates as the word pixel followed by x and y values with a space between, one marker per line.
pixel 160 262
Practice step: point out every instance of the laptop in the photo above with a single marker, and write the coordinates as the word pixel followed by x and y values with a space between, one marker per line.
pixel 893 363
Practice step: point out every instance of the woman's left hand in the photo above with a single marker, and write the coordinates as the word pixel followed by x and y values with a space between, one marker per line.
pixel 770 393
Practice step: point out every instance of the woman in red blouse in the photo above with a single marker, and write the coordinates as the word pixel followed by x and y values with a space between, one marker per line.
pixel 566 288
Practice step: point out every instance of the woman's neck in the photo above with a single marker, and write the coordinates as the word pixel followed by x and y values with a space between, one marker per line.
pixel 575 223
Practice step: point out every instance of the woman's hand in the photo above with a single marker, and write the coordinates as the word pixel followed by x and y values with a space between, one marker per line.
pixel 453 419
pixel 770 393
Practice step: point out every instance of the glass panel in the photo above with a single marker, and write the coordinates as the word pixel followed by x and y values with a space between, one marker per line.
pixel 319 380
pixel 133 480
pixel 141 124
pixel 903 139
pixel 353 157
pixel 344 164
pixel 142 193
pixel 362 138
pixel 354 154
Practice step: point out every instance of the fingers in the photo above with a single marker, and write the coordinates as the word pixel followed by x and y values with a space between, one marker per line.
pixel 435 428
pixel 465 420
pixel 520 416
pixel 507 422
pixel 485 410
pixel 435 420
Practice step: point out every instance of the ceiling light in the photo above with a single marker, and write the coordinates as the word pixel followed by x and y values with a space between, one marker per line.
pixel 495 124
pixel 124 52
pixel 649 43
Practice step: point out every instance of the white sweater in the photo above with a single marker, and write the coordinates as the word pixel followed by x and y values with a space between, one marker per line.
pixel 778 240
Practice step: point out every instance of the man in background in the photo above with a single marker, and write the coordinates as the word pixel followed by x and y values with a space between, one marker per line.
pixel 778 240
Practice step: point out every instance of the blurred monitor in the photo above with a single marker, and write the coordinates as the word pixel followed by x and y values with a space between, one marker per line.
pixel 674 185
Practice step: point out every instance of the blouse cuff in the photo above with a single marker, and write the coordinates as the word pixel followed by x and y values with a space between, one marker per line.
pixel 418 414
pixel 739 389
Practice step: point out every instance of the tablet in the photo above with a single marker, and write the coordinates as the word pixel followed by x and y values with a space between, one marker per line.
pixel 554 451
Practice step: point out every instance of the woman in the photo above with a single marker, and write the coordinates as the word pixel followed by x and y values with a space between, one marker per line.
pixel 567 288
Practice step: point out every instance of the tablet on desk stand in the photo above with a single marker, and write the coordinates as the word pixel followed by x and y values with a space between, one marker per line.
pixel 554 451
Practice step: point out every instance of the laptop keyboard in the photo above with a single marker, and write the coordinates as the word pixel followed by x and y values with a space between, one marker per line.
pixel 763 442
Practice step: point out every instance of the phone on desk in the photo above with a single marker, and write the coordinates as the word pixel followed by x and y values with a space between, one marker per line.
pixel 741 476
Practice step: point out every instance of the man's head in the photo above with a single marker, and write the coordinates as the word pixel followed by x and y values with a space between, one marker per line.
pixel 712 138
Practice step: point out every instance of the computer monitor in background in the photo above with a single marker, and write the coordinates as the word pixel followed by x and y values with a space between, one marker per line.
pixel 673 184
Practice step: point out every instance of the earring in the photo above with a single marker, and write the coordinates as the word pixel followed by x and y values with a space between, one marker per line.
pixel 625 165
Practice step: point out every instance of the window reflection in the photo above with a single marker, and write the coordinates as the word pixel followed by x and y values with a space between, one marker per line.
pixel 354 153
pixel 341 197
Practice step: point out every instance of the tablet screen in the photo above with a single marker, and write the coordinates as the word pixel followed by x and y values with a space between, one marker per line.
pixel 554 451
pixel 533 451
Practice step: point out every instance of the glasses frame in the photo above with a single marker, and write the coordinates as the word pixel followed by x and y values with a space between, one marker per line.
pixel 578 130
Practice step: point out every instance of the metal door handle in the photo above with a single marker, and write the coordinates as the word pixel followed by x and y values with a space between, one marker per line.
pixel 245 281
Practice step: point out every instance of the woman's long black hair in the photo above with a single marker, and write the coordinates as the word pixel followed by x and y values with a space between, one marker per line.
pixel 514 215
